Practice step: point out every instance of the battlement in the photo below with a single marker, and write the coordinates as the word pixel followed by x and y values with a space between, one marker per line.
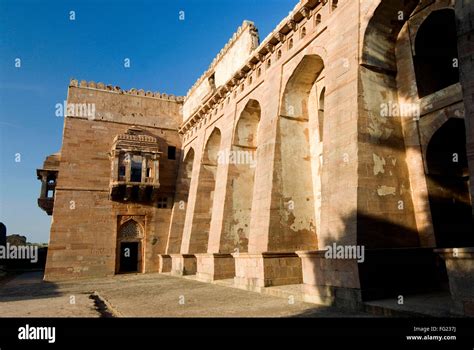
pixel 116 89
pixel 202 97
pixel 245 25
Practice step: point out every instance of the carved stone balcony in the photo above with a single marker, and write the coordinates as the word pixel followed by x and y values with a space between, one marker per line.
pixel 48 176
pixel 135 167
pixel 47 204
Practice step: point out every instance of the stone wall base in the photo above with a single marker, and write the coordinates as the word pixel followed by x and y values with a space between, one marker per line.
pixel 165 263
pixel 331 282
pixel 254 271
pixel 183 264
pixel 215 266
pixel 460 267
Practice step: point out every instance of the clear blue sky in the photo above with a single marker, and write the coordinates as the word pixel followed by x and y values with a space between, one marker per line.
pixel 166 54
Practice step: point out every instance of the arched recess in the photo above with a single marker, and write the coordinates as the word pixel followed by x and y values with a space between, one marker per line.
pixel 294 226
pixel 382 172
pixel 322 96
pixel 180 204
pixel 242 163
pixel 187 171
pixel 436 53
pixel 448 185
pixel 205 194
pixel 129 247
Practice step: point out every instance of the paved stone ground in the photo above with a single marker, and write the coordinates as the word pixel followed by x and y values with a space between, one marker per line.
pixel 150 295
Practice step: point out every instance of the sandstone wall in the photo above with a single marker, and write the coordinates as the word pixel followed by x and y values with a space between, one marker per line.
pixel 85 220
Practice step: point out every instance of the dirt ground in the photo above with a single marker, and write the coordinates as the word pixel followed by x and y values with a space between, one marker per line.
pixel 150 295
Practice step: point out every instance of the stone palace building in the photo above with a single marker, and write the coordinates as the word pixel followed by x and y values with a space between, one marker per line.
pixel 349 128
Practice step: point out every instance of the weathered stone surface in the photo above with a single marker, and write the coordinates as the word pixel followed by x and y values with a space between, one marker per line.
pixel 319 135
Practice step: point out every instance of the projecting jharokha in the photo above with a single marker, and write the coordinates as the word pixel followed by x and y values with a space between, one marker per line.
pixel 347 131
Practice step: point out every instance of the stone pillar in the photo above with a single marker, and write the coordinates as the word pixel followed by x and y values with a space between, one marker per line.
pixel 156 171
pixel 44 184
pixel 115 166
pixel 465 29
pixel 128 167
pixel 218 263
pixel 144 167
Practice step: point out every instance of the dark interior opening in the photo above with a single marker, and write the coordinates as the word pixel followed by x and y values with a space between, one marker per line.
pixel 136 171
pixel 128 257
pixel 448 186
pixel 436 53
pixel 172 152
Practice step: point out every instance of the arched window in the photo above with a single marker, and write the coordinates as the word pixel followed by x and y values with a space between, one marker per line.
pixel 436 53
pixel 321 114
pixel 317 20
pixel 303 32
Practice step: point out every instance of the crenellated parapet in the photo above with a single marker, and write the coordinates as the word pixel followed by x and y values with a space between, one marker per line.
pixel 291 28
pixel 116 89
pixel 255 41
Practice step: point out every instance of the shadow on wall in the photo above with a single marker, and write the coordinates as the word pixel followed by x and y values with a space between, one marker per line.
pixel 391 266
pixel 448 186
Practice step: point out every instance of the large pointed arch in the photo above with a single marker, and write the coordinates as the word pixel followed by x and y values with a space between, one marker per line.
pixel 205 194
pixel 180 205
pixel 293 191
pixel 240 183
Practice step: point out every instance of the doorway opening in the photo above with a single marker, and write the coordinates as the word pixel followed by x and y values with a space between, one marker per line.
pixel 128 257
pixel 129 248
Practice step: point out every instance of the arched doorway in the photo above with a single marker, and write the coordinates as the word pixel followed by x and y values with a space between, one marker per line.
pixel 242 164
pixel 205 194
pixel 436 53
pixel 448 185
pixel 129 247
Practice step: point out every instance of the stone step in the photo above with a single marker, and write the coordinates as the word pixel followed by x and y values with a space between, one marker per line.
pixel 437 304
